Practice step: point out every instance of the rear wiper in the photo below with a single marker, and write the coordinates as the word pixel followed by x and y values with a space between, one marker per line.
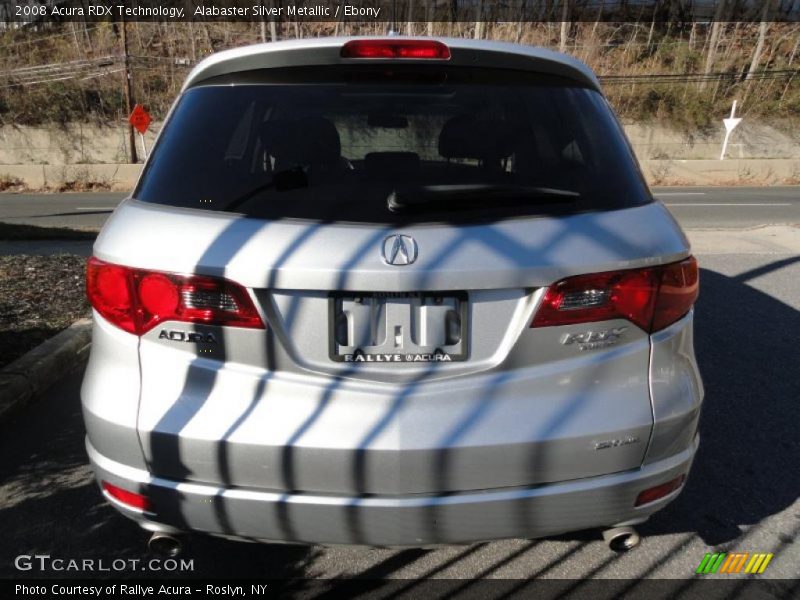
pixel 289 179
pixel 428 197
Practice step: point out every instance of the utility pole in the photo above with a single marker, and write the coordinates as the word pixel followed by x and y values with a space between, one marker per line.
pixel 128 93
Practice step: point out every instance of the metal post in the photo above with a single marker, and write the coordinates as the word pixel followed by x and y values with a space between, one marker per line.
pixel 128 92
pixel 725 144
pixel 144 146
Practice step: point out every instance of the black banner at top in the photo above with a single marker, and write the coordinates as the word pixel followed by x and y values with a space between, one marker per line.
pixel 21 13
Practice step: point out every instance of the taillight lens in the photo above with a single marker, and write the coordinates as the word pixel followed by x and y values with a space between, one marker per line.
pixel 652 298
pixel 136 300
pixel 660 491
pixel 131 499
pixel 395 49
pixel 680 285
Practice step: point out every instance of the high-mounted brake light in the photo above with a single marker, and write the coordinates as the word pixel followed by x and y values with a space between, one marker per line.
pixel 651 298
pixel 395 49
pixel 137 300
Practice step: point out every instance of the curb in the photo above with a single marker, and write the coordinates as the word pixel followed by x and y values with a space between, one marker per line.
pixel 27 377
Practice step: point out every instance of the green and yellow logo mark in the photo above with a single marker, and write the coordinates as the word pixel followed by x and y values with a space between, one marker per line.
pixel 735 562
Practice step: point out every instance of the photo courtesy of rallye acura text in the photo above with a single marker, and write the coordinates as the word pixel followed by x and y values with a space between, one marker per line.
pixel 394 292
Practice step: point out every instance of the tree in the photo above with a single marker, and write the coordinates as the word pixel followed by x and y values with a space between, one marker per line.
pixel 762 34
pixel 478 21
pixel 719 15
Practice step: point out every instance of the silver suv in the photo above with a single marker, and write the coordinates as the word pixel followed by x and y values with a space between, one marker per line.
pixel 393 291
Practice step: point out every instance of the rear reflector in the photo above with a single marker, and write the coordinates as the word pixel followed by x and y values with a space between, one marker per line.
pixel 137 300
pixel 652 298
pixel 130 499
pixel 395 49
pixel 660 491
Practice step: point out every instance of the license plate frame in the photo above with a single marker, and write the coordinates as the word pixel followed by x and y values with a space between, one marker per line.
pixel 410 353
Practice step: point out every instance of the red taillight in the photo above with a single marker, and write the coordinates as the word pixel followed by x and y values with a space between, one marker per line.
pixel 109 289
pixel 680 284
pixel 137 300
pixel 651 298
pixel 395 49
pixel 131 499
pixel 660 491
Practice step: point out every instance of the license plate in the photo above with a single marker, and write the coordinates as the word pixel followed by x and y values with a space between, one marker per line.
pixel 394 328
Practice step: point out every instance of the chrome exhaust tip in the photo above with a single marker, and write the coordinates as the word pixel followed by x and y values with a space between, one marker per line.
pixel 164 545
pixel 621 539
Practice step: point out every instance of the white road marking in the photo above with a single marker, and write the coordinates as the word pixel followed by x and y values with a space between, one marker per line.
pixel 680 193
pixel 729 204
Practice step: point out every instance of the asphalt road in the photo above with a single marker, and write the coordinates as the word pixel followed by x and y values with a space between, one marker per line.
pixel 694 207
pixel 75 210
pixel 742 495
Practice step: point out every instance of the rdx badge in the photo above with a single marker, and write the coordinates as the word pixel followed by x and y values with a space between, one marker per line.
pixel 176 335
pixel 590 340
pixel 631 439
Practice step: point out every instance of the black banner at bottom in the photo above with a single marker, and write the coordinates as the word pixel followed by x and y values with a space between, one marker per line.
pixel 485 589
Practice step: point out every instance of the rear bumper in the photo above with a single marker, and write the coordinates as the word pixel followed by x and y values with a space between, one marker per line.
pixel 413 520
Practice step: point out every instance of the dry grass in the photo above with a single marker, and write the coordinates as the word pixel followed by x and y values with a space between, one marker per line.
pixel 11 184
pixel 39 296
pixel 794 177
pixel 81 180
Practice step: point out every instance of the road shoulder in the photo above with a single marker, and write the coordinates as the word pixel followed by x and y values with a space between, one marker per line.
pixel 767 239
pixel 38 370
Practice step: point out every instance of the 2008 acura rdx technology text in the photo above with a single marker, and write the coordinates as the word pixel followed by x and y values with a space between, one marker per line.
pixel 392 291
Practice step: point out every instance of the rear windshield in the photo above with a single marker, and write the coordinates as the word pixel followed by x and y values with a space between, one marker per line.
pixel 379 145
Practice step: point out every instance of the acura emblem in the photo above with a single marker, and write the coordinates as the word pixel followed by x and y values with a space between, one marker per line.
pixel 399 250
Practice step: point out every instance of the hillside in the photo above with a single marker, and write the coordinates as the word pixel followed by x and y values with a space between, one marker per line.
pixel 681 75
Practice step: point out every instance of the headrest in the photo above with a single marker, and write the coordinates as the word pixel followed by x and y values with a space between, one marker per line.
pixel 468 136
pixel 302 141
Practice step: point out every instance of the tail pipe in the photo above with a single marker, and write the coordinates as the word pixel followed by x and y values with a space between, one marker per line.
pixel 621 539
pixel 164 545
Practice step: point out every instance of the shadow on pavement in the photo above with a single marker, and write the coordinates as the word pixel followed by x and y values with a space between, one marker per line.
pixel 746 468
pixel 18 232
